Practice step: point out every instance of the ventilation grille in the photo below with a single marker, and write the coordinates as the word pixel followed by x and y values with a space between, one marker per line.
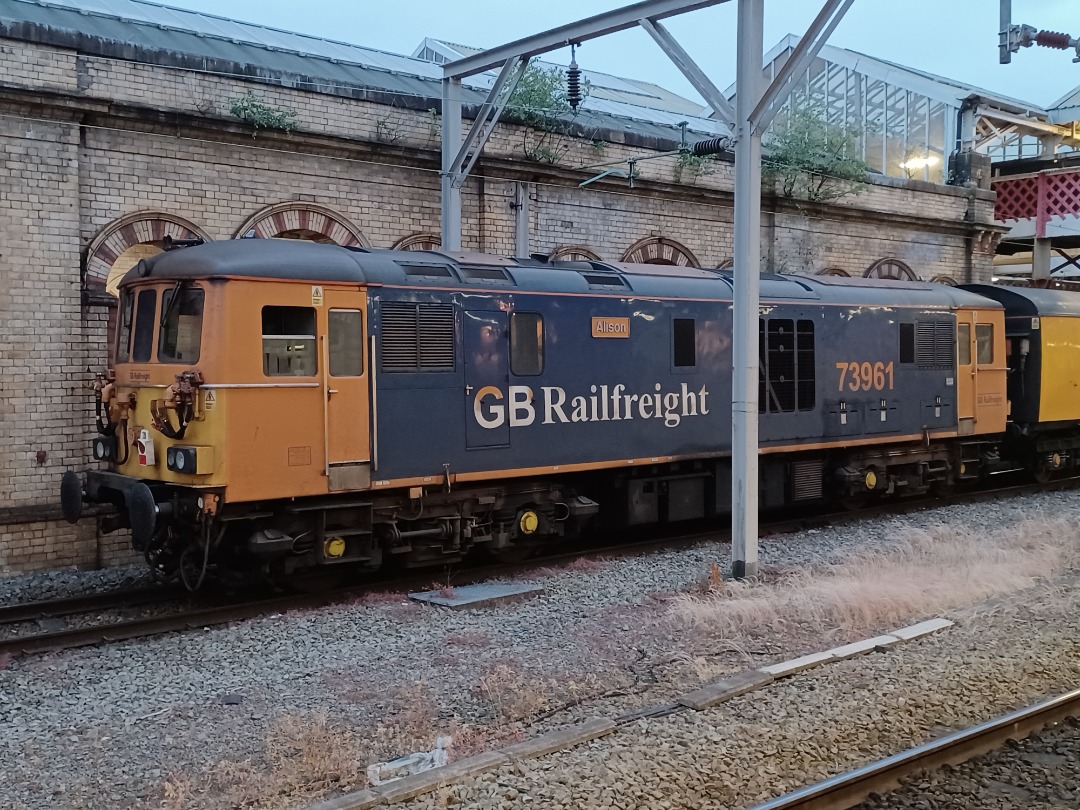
pixel 807 480
pixel 417 337
pixel 486 274
pixel 935 345
pixel 604 280
pixel 432 270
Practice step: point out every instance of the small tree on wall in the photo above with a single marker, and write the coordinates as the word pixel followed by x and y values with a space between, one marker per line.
pixel 540 105
pixel 811 158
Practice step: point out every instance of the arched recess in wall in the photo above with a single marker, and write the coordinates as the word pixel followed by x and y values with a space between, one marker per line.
pixel 419 241
pixel 891 269
pixel 574 253
pixel 835 271
pixel 726 264
pixel 120 245
pixel 944 279
pixel 660 250
pixel 315 223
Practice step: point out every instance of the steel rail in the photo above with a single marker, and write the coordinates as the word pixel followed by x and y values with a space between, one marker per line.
pixel 849 789
pixel 88 603
pixel 239 611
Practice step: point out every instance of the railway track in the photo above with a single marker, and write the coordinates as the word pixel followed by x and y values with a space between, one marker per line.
pixel 195 616
pixel 850 789
pixel 87 603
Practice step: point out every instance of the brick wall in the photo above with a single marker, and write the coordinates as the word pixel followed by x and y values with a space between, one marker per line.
pixel 110 139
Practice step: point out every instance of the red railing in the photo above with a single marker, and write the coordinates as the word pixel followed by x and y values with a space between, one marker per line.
pixel 1038 196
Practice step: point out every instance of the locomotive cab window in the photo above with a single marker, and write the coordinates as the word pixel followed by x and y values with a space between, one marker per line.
pixel 684 342
pixel 288 338
pixel 180 333
pixel 346 332
pixel 526 343
pixel 123 336
pixel 143 342
pixel 984 343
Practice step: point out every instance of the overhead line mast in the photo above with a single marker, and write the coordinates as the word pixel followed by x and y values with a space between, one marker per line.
pixel 757 103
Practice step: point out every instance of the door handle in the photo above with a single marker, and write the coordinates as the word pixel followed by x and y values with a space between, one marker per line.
pixel 468 390
pixel 330 392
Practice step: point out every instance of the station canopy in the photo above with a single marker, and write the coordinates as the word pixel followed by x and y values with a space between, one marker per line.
pixel 908 121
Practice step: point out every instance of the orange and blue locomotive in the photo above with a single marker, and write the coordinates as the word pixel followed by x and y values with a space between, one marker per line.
pixel 285 407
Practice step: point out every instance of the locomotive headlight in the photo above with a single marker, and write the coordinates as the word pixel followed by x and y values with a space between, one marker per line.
pixel 104 449
pixel 190 460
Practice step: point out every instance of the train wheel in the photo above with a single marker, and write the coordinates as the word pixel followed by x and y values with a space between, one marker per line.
pixel 318 581
pixel 1042 475
pixel 943 489
pixel 855 501
pixel 519 552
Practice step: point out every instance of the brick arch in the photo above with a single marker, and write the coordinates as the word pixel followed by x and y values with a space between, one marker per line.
pixel 574 253
pixel 316 223
pixel 659 250
pixel 835 271
pixel 891 269
pixel 944 279
pixel 419 241
pixel 121 243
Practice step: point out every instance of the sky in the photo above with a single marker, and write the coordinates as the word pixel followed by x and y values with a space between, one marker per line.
pixel 953 38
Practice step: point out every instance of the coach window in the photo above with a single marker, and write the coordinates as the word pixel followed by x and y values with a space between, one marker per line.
pixel 143 344
pixel 526 343
pixel 180 336
pixel 963 344
pixel 984 343
pixel 346 330
pixel 288 337
pixel 123 338
pixel 684 342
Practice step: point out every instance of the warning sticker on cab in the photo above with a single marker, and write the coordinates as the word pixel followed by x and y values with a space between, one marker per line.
pixel 209 401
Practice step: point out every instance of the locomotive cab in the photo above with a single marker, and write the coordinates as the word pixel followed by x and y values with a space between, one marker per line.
pixel 227 392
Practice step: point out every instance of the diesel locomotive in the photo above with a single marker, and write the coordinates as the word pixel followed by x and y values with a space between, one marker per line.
pixel 286 407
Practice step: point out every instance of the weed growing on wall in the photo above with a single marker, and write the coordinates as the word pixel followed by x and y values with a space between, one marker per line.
pixel 249 107
pixel 811 158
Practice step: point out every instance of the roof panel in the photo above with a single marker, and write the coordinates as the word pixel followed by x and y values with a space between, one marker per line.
pixel 195 39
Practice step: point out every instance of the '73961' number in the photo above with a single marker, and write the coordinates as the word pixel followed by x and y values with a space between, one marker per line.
pixel 865 376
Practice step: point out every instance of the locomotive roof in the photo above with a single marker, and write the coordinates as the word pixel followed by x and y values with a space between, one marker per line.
pixel 1030 300
pixel 298 260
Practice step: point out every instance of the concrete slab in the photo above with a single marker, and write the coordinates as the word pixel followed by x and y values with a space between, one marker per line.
pixel 785 668
pixel 725 689
pixel 913 631
pixel 401 790
pixel 559 739
pixel 860 647
pixel 484 593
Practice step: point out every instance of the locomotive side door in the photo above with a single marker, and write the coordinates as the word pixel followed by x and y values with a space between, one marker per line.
pixel 965 371
pixel 486 342
pixel 982 403
pixel 343 362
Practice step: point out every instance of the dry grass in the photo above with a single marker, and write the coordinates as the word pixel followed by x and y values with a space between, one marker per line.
pixel 929 571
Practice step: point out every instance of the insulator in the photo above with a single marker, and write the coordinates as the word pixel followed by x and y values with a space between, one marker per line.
pixel 712 146
pixel 573 85
pixel 1053 39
